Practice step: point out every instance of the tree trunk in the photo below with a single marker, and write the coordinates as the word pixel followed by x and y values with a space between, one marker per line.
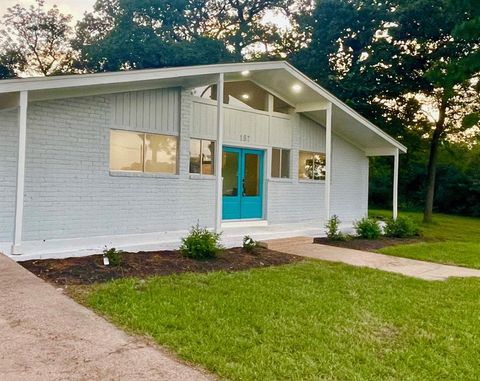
pixel 432 163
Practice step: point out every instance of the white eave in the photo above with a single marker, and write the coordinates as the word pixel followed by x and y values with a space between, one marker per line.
pixel 278 77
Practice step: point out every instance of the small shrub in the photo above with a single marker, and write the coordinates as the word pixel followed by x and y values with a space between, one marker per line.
pixel 368 228
pixel 201 244
pixel 333 231
pixel 114 256
pixel 402 227
pixel 249 244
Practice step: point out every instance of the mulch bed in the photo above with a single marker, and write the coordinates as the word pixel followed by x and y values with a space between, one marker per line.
pixel 367 244
pixel 89 270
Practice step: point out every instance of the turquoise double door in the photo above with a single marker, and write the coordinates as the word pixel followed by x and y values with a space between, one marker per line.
pixel 242 171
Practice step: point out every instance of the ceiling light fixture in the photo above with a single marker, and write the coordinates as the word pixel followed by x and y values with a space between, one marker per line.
pixel 296 88
pixel 246 73
pixel 245 96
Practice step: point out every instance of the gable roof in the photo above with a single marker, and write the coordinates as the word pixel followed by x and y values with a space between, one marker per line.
pixel 278 77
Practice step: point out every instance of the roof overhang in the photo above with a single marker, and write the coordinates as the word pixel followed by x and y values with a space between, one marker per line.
pixel 278 77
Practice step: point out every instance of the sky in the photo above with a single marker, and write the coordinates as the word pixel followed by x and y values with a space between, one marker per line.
pixel 78 7
pixel 74 7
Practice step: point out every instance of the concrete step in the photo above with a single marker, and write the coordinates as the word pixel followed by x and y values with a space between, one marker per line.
pixel 277 244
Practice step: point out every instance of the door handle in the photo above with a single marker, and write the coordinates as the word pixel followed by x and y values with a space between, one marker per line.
pixel 243 187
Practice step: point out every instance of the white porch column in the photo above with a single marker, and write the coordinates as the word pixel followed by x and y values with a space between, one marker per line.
pixel 328 158
pixel 22 139
pixel 218 155
pixel 395 184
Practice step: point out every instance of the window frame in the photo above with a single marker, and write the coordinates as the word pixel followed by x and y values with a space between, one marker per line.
pixel 313 154
pixel 144 152
pixel 281 150
pixel 201 140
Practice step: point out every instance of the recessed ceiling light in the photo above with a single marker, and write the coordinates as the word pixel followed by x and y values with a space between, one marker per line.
pixel 297 88
pixel 245 96
pixel 246 73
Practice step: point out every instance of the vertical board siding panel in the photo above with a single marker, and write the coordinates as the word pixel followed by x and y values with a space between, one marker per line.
pixel 119 110
pixel 312 135
pixel 204 120
pixel 133 109
pixel 280 134
pixel 139 109
pixel 126 110
pixel 152 111
pixel 158 111
pixel 164 107
pixel 173 115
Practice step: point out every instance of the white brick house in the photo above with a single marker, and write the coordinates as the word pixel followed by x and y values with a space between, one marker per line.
pixel 131 158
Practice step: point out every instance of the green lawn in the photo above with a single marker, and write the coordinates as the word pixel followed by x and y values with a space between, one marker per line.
pixel 307 321
pixel 449 239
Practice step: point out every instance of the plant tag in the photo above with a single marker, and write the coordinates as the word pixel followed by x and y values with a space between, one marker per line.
pixel 106 262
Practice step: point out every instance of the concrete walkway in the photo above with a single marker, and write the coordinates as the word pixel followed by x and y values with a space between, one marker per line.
pixel 303 246
pixel 44 335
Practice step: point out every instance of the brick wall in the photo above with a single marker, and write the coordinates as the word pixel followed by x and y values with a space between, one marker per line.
pixel 70 193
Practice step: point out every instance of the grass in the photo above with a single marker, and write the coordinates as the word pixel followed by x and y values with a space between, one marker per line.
pixel 305 321
pixel 453 240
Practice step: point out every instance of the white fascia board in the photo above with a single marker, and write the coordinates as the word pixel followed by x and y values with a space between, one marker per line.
pixel 337 102
pixel 80 80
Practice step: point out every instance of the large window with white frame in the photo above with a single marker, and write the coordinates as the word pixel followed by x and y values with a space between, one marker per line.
pixel 280 163
pixel 311 165
pixel 142 152
pixel 202 156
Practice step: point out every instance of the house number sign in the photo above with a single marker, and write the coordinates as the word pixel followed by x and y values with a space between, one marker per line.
pixel 244 138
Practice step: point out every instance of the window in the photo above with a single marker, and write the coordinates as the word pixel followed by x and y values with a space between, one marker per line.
pixel 244 95
pixel 202 155
pixel 140 152
pixel 311 165
pixel 280 163
pixel 281 106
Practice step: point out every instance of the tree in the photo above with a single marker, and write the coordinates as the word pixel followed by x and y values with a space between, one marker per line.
pixel 398 67
pixel 241 25
pixel 123 34
pixel 38 39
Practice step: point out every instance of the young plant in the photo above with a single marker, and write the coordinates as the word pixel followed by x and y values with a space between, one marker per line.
pixel 113 255
pixel 333 230
pixel 367 228
pixel 402 227
pixel 201 244
pixel 249 244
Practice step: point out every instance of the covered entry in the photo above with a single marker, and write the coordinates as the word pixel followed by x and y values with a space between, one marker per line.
pixel 242 171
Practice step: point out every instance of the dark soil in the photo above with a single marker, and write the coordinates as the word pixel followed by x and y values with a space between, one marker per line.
pixel 367 244
pixel 89 270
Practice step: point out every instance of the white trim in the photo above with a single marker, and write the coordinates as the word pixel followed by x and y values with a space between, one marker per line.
pixel 82 80
pixel 19 200
pixel 380 151
pixel 219 154
pixel 395 184
pixel 328 159
pixel 244 223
